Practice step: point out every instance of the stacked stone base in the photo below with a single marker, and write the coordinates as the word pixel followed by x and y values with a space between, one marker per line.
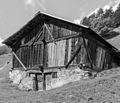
pixel 21 80
pixel 53 80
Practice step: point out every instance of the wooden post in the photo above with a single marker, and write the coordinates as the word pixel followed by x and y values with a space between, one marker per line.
pixel 43 60
pixel 35 82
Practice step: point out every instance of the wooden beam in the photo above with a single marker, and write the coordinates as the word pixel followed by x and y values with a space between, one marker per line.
pixel 65 37
pixel 20 61
pixel 88 54
pixel 38 35
pixel 77 51
pixel 49 33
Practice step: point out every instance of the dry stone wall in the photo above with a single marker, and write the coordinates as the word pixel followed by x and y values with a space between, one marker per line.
pixel 21 80
pixel 62 76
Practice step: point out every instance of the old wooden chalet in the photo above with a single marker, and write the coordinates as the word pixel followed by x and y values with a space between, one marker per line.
pixel 47 44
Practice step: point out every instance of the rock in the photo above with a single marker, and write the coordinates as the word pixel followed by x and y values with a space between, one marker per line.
pixel 16 76
pixel 26 84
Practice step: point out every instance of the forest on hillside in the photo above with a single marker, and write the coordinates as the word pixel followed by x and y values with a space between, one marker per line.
pixel 103 22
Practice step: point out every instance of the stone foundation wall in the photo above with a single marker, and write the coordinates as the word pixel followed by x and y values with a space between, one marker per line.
pixel 64 76
pixel 53 80
pixel 21 79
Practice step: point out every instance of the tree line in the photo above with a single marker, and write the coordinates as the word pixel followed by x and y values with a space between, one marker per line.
pixel 103 22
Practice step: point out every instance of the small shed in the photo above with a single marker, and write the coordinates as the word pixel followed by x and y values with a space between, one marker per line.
pixel 51 47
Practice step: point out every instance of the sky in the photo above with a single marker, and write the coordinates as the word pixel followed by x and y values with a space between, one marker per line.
pixel 16 13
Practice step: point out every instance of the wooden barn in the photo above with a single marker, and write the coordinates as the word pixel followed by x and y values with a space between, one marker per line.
pixel 47 44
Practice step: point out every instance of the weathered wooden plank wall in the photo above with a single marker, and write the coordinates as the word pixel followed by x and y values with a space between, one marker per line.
pixel 58 53
pixel 29 55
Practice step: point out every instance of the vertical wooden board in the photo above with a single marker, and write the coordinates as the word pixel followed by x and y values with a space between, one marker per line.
pixel 32 54
pixel 66 52
pixel 32 60
pixel 99 55
pixel 34 57
pixel 55 54
pixel 107 61
pixel 78 55
pixel 39 57
pixel 39 50
pixel 48 46
pixel 80 42
pixel 30 64
pixel 42 54
pixel 45 56
pixel 23 56
pixel 85 52
pixel 62 52
pixel 52 55
pixel 24 61
pixel 92 50
pixel 102 58
pixel 110 61
pixel 72 48
pixel 59 53
pixel 82 54
pixel 69 49
pixel 37 54
pixel 49 51
pixel 28 56
pixel 75 49
pixel 50 59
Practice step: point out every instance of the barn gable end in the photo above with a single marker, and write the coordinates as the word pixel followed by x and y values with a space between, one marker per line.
pixel 47 45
